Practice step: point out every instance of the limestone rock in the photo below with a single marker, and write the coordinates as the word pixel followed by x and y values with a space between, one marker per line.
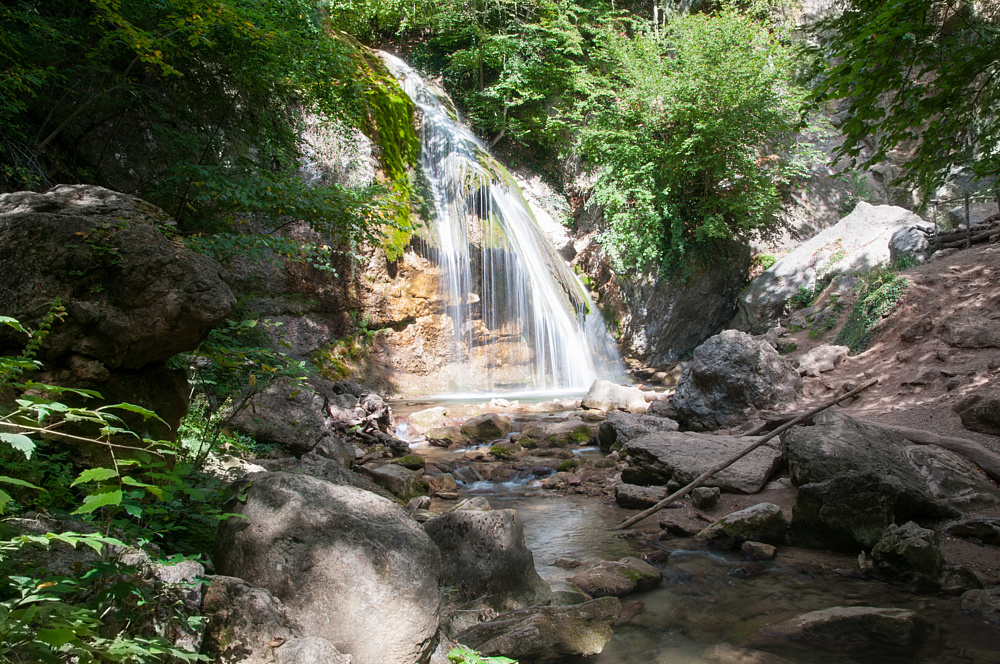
pixel 397 480
pixel 604 395
pixel 984 530
pixel 821 359
pixel 730 377
pixel 855 624
pixel 857 243
pixel 484 556
pixel 547 633
pixel 909 552
pixel 486 428
pixel 423 421
pixel 763 522
pixel 657 458
pixel 242 620
pixel 447 436
pixel 617 578
pixel 568 433
pixel 352 567
pixel 635 497
pixel 619 428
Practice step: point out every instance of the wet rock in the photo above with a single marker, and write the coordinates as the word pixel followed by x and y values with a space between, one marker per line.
pixel 566 563
pixel 570 433
pixel 821 359
pixel 486 428
pixel 443 483
pixel 983 530
pixel 682 526
pixel 763 522
pixel 617 578
pixel 635 497
pixel 397 480
pixel 726 653
pixel 909 553
pixel 483 556
pixel 658 458
pixel 853 509
pixel 837 443
pixel 982 604
pixel 310 650
pixel 705 497
pixel 547 633
pixel 447 436
pixel 351 567
pixel 620 428
pixel 423 421
pixel 243 620
pixel 983 414
pixel 856 625
pixel 604 395
pixel 731 376
pixel 758 551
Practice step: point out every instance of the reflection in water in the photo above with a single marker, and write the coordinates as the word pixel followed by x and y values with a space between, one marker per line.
pixel 712 604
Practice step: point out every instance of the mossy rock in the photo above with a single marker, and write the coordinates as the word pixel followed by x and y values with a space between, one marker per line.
pixel 506 450
pixel 411 461
pixel 571 433
pixel 569 465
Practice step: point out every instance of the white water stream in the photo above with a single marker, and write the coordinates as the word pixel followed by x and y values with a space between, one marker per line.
pixel 509 295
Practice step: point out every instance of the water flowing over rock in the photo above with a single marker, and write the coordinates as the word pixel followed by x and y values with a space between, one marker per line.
pixel 516 315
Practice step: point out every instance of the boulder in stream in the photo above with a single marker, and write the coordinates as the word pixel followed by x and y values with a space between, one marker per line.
pixel 447 436
pixel 635 497
pixel 763 522
pixel 982 604
pixel 855 625
pixel 604 395
pixel 617 578
pixel 619 428
pixel 486 428
pixel 568 433
pixel 547 633
pixel 909 553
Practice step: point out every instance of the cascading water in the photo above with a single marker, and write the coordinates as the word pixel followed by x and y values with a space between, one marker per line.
pixel 512 301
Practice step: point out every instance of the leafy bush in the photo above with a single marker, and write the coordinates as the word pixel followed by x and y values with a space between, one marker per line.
pixel 466 655
pixel 803 298
pixel 877 295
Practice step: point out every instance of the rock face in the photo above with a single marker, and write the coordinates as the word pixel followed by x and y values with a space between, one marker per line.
pixel 352 567
pixel 620 428
pixel 837 444
pixel 855 244
pixel 617 578
pixel 729 378
pixel 132 296
pixel 604 395
pixel 547 633
pixel 657 458
pixel 484 556
pixel 856 625
pixel 763 522
pixel 909 553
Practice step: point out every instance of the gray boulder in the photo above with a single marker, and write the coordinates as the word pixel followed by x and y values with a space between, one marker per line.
pixel 568 433
pixel 617 578
pixel 352 567
pixel 982 412
pixel 486 428
pixel 821 359
pixel 657 458
pixel 483 556
pixel 856 625
pixel 909 553
pixel 982 604
pixel 243 620
pixel 310 650
pixel 705 497
pixel 547 633
pixel 604 395
pixel 324 468
pixel 763 522
pixel 423 421
pixel 983 530
pixel 397 480
pixel 857 243
pixel 730 377
pixel 911 240
pixel 620 428
pixel 635 497
pixel 447 436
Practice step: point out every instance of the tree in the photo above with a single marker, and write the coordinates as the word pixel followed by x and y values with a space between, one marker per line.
pixel 693 138
pixel 921 76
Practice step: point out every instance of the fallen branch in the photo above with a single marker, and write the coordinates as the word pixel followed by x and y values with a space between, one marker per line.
pixel 974 239
pixel 964 447
pixel 698 481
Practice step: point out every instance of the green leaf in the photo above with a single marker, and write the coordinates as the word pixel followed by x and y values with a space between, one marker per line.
pixel 13 322
pixel 4 499
pixel 19 442
pixel 98 500
pixel 131 407
pixel 95 475
pixel 16 482
pixel 56 636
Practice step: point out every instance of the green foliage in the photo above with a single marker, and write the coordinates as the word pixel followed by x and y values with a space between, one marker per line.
pixel 877 295
pixel 803 298
pixel 694 138
pixel 914 73
pixel 466 655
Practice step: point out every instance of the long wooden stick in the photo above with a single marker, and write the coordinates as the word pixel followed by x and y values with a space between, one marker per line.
pixel 631 521
pixel 969 449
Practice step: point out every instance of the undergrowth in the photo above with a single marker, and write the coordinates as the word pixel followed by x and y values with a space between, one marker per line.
pixel 877 295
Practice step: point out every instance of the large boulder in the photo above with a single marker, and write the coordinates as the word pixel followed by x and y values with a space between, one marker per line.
pixel 909 553
pixel 619 428
pixel 605 395
pixel 132 295
pixel 912 240
pixel 857 243
pixel 547 633
pixel 324 468
pixel 635 497
pixel 837 443
pixel 763 522
pixel 568 433
pixel 397 480
pixel 657 458
pixel 981 412
pixel 484 557
pixel 617 578
pixel 486 428
pixel 730 377
pixel 983 530
pixel 982 603
pixel 352 567
pixel 856 625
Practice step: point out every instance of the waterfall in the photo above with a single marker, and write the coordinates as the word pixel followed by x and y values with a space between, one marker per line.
pixel 521 319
